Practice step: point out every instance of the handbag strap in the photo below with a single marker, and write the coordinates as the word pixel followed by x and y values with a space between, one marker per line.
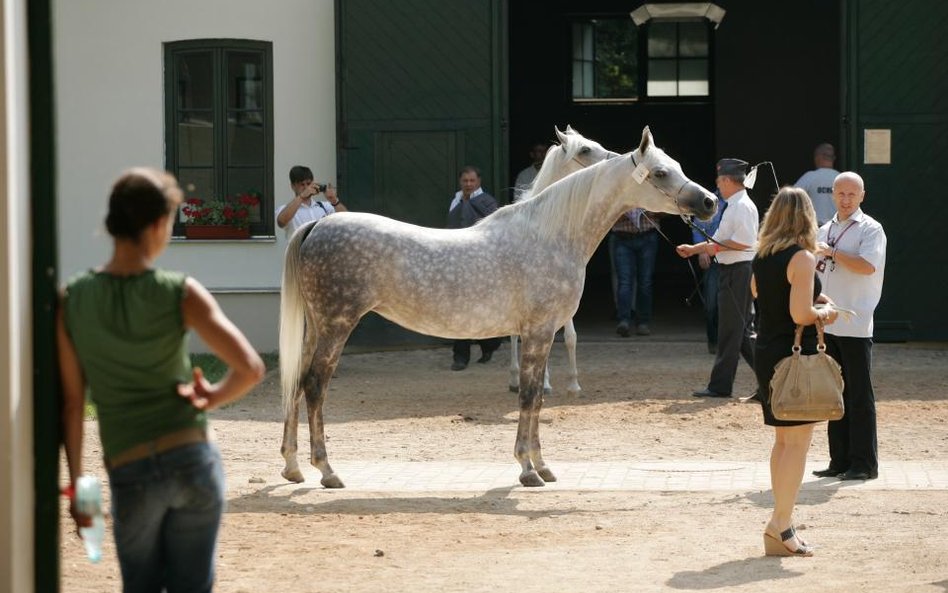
pixel 820 339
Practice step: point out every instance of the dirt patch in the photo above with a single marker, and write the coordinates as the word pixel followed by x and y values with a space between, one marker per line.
pixel 636 405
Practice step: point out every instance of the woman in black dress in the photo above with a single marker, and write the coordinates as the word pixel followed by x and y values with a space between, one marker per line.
pixel 786 288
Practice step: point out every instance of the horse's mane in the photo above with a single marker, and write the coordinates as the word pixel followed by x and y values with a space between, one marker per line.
pixel 548 170
pixel 558 211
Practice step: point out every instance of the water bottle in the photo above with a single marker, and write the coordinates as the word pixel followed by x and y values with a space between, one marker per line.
pixel 89 502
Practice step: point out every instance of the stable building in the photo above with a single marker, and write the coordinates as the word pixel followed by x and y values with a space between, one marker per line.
pixel 388 100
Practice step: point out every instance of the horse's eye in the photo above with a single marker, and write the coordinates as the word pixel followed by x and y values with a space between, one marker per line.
pixel 585 150
pixel 659 174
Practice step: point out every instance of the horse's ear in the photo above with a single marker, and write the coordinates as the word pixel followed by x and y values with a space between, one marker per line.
pixel 569 129
pixel 646 140
pixel 561 137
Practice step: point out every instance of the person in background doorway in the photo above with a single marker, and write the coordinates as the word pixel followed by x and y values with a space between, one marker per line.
pixel 526 176
pixel 633 245
pixel 709 273
pixel 818 183
pixel 470 204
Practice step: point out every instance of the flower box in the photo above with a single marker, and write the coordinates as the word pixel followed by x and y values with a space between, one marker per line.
pixel 215 231
pixel 219 219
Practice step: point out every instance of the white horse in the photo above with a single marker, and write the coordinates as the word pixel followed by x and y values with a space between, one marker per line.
pixel 573 153
pixel 345 265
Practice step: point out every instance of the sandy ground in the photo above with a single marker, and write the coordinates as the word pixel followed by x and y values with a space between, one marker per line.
pixel 636 405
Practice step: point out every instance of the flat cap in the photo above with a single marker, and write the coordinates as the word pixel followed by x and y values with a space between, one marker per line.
pixel 731 167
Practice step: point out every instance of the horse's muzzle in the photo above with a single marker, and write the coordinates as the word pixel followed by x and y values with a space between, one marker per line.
pixel 698 201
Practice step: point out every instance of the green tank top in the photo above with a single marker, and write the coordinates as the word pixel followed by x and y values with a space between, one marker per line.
pixel 131 342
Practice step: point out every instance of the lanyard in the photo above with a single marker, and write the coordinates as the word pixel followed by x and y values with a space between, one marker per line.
pixel 831 241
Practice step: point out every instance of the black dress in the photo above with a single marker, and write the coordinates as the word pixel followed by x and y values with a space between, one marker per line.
pixel 776 327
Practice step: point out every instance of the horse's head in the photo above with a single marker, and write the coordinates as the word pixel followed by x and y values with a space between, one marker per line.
pixel 665 186
pixel 573 153
pixel 580 150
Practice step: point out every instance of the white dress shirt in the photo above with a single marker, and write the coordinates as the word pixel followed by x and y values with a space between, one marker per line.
pixel 849 290
pixel 739 224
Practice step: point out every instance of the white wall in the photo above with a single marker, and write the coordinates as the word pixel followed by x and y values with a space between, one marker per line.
pixel 16 385
pixel 110 111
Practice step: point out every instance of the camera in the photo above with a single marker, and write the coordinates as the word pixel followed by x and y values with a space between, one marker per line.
pixel 321 187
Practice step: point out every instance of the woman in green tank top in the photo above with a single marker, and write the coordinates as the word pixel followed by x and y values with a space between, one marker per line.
pixel 122 339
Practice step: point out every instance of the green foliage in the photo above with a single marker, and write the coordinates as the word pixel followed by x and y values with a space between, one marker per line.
pixel 214 369
pixel 616 58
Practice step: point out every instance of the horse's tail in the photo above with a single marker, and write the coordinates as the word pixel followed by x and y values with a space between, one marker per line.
pixel 292 321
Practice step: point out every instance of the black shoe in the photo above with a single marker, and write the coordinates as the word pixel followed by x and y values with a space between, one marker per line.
pixel 854 474
pixel 709 393
pixel 753 398
pixel 485 357
pixel 830 472
pixel 623 329
pixel 459 365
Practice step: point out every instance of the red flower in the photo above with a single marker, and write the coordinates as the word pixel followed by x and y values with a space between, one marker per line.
pixel 231 211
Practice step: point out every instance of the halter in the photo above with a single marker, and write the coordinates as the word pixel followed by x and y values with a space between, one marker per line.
pixel 667 195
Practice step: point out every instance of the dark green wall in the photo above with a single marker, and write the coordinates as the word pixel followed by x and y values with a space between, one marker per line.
pixel 419 99
pixel 897 77
pixel 420 87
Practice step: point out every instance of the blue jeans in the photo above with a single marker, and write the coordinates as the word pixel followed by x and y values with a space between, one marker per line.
pixel 166 512
pixel 709 290
pixel 633 259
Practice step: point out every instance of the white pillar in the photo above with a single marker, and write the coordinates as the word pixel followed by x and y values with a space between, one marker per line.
pixel 16 401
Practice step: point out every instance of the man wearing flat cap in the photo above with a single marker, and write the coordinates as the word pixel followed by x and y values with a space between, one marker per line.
pixel 733 245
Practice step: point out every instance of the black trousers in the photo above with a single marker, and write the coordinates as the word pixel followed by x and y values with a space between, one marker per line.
pixel 735 325
pixel 852 439
pixel 462 348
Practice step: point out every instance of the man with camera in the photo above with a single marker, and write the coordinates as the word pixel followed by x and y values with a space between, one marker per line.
pixel 304 207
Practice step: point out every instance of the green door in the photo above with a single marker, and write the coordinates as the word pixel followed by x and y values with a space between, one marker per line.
pixel 897 87
pixel 421 87
pixel 421 93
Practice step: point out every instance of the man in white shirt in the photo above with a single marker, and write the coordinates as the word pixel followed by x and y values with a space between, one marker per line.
pixel 303 207
pixel 851 252
pixel 818 183
pixel 526 176
pixel 733 245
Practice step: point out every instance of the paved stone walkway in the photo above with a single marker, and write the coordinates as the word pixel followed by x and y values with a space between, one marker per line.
pixel 672 475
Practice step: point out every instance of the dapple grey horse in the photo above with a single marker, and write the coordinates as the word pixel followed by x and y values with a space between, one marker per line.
pixel 338 269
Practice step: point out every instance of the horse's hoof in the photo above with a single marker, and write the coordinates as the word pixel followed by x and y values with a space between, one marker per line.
pixel 514 388
pixel 295 476
pixel 547 391
pixel 546 474
pixel 332 481
pixel 574 391
pixel 531 479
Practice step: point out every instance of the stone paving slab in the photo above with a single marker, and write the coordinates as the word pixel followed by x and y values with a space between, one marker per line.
pixel 670 475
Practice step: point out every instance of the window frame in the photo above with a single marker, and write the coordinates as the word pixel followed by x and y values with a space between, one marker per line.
pixel 647 59
pixel 218 48
pixel 585 19
pixel 643 59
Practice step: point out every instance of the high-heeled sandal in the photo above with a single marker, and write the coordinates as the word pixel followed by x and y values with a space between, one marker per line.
pixel 775 545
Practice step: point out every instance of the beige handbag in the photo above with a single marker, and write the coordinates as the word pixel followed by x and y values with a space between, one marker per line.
pixel 807 386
